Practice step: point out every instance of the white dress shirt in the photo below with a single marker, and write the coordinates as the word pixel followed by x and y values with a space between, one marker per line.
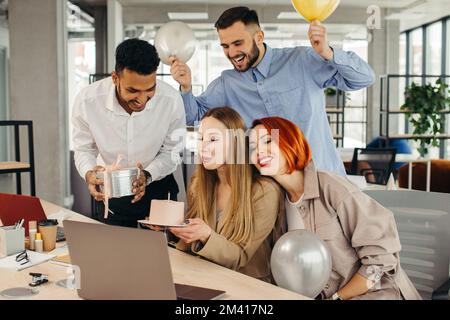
pixel 293 215
pixel 153 136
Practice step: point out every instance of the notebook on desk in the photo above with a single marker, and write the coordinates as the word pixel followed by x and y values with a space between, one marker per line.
pixel 63 260
pixel 126 264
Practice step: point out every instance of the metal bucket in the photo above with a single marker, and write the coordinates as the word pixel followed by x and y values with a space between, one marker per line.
pixel 119 182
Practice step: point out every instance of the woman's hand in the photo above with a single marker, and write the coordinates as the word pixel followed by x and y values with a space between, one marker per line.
pixel 155 228
pixel 197 230
pixel 357 286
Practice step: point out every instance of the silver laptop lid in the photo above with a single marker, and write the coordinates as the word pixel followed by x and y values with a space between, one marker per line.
pixel 118 263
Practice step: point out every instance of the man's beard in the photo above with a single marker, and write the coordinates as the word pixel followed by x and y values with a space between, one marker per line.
pixel 124 103
pixel 252 58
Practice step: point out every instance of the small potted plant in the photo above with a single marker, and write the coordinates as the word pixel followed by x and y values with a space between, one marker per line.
pixel 330 94
pixel 332 100
pixel 424 105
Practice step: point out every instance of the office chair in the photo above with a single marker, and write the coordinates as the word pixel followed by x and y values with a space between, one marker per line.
pixel 376 165
pixel 423 223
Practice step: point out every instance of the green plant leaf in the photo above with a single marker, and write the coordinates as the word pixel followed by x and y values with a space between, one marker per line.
pixel 423 104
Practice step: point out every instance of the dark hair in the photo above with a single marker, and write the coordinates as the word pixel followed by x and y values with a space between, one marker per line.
pixel 232 15
pixel 138 56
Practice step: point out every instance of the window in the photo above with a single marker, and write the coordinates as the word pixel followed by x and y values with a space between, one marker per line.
pixel 402 81
pixel 80 64
pixel 434 49
pixel 433 64
pixel 447 71
pixel 402 54
pixel 448 48
pixel 355 121
pixel 416 52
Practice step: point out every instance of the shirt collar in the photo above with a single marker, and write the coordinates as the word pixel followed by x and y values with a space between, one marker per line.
pixel 297 203
pixel 311 183
pixel 111 102
pixel 264 65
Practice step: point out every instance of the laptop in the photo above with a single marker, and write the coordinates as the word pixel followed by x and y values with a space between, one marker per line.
pixel 14 207
pixel 118 263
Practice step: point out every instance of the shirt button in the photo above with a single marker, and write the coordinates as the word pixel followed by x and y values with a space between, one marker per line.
pixel 327 286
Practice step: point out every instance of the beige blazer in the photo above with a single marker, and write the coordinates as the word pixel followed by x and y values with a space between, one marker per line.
pixel 360 234
pixel 254 258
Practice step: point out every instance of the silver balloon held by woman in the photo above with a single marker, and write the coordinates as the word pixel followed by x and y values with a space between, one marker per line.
pixel 301 262
pixel 175 39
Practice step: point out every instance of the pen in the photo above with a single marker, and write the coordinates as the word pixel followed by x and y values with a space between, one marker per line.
pixel 21 221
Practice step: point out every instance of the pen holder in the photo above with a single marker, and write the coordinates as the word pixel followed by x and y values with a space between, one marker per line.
pixel 12 241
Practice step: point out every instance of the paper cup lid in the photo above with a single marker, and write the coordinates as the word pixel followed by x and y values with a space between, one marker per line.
pixel 48 223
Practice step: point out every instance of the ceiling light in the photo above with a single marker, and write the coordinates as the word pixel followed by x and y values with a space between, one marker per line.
pixel 405 16
pixel 289 15
pixel 188 15
pixel 278 35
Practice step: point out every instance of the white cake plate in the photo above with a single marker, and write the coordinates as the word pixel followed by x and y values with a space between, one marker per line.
pixel 148 222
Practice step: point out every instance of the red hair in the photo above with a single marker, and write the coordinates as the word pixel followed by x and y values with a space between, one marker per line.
pixel 292 143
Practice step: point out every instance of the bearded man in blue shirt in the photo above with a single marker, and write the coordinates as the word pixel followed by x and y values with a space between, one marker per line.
pixel 285 82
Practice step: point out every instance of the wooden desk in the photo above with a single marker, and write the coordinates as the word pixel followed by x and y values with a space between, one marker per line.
pixel 186 269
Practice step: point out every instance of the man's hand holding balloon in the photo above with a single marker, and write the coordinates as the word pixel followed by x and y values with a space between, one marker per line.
pixel 316 11
pixel 319 40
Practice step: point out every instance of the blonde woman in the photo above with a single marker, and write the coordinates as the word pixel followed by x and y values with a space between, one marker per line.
pixel 235 216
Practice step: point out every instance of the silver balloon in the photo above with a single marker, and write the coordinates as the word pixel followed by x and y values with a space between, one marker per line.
pixel 175 39
pixel 301 262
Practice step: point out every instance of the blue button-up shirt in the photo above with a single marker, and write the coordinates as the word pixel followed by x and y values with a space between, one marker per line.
pixel 288 83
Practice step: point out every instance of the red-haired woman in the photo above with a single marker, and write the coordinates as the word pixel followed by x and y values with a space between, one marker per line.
pixel 360 234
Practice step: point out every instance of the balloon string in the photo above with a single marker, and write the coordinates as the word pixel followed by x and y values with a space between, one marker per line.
pixel 108 169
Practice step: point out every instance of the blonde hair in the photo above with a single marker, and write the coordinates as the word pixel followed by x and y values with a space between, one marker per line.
pixel 238 217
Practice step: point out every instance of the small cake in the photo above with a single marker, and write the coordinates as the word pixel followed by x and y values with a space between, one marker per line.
pixel 166 213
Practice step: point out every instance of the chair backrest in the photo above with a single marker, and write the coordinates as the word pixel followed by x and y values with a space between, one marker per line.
pixel 374 164
pixel 423 223
pixel 81 196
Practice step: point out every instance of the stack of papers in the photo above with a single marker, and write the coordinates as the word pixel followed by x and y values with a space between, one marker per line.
pixel 9 263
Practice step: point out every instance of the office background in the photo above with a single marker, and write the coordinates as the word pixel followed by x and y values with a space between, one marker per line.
pixel 48 49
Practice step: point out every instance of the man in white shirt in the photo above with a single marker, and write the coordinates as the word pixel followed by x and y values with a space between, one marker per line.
pixel 134 115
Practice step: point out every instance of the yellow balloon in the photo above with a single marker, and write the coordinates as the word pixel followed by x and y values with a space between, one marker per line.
pixel 315 9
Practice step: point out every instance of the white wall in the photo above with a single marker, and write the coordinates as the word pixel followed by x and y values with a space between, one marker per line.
pixel 38 89
pixel 6 181
pixel 115 30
